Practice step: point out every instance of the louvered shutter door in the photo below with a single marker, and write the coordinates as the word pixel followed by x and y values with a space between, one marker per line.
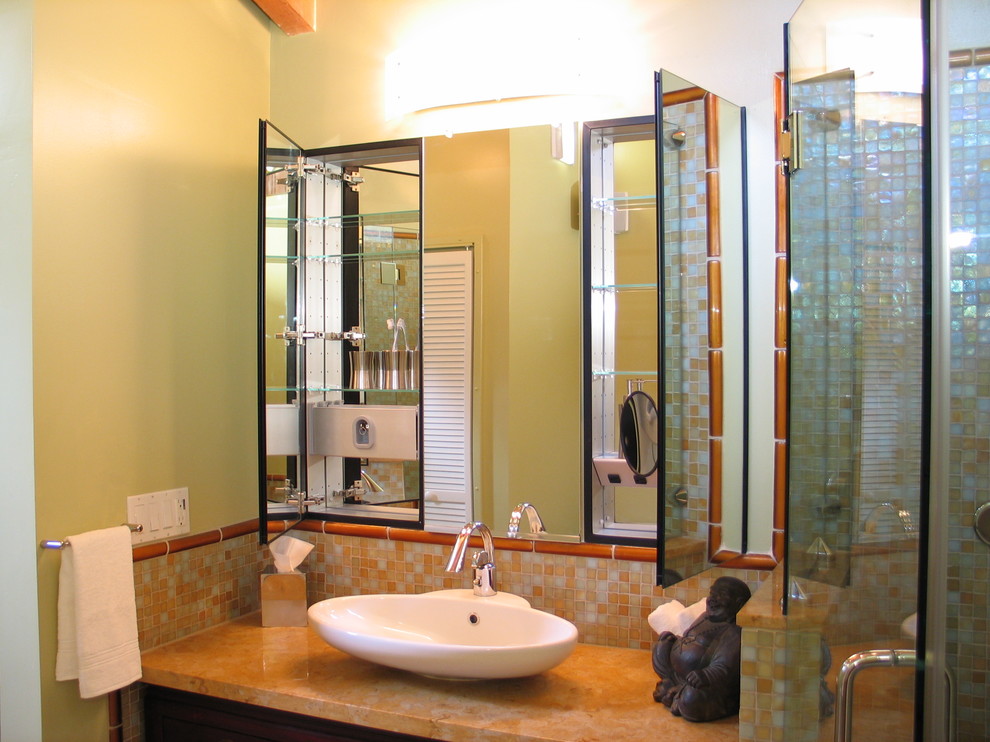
pixel 447 353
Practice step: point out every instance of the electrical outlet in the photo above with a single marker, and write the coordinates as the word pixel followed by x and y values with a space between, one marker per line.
pixel 162 514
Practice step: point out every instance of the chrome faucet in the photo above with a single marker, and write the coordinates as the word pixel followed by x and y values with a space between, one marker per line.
pixel 535 522
pixel 483 562
pixel 903 515
pixel 370 483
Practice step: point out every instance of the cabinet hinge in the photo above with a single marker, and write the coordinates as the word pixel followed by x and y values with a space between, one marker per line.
pixel 789 143
pixel 300 336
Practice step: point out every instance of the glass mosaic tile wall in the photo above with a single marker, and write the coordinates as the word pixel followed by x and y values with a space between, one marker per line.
pixel 686 319
pixel 857 342
pixel 380 303
pixel 968 612
pixel 857 331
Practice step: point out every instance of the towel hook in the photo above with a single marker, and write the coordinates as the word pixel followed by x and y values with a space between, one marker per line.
pixel 62 543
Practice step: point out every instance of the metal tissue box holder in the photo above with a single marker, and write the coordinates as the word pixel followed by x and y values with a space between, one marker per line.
pixel 283 598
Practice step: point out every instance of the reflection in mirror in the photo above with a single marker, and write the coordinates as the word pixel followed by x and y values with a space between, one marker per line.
pixel 703 252
pixel 621 329
pixel 340 283
pixel 639 433
pixel 500 200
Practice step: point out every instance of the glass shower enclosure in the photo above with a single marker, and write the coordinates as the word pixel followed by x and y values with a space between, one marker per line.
pixel 887 585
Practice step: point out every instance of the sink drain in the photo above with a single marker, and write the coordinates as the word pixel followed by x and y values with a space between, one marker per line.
pixel 474 618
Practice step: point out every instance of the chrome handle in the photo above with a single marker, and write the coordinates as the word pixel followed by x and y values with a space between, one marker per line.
pixel 847 675
pixel 981 522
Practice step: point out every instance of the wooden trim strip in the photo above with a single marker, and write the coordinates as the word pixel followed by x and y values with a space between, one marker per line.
pixel 115 716
pixel 628 553
pixel 714 303
pixel 711 143
pixel 781 334
pixel 751 561
pixel 684 95
pixel 561 548
pixel 713 228
pixel 781 301
pixel 192 541
pixel 292 16
pixel 780 394
pixel 779 485
pixel 715 484
pixel 779 545
pixel 355 529
pixel 142 552
pixel 149 551
pixel 716 554
pixel 311 526
pixel 715 386
pixel 598 551
pixel 239 529
pixel 420 537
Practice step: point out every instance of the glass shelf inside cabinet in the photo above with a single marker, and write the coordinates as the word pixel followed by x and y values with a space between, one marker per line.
pixel 334 389
pixel 623 287
pixel 602 374
pixel 408 219
pixel 624 202
pixel 350 257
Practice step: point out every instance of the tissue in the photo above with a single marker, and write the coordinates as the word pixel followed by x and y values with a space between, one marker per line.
pixel 675 617
pixel 288 553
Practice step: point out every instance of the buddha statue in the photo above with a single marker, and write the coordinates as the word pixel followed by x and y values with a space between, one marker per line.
pixel 699 672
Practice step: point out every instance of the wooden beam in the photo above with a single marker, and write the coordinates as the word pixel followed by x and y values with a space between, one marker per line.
pixel 292 16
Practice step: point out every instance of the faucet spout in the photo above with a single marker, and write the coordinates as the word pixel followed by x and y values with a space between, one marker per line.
pixel 535 522
pixel 483 562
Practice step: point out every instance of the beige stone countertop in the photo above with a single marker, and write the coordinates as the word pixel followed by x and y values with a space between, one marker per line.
pixel 598 693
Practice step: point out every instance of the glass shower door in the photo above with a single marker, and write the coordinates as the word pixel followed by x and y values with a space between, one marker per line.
pixel 959 615
pixel 857 369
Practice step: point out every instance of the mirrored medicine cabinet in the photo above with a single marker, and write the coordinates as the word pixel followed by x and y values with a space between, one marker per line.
pixel 340 424
pixel 350 240
pixel 665 389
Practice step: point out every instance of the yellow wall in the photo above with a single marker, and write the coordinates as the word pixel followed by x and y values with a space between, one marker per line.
pixel 145 158
pixel 545 302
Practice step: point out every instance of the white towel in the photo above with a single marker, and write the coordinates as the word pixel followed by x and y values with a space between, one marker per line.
pixel 97 615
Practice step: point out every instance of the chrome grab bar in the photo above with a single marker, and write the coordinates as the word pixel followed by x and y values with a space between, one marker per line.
pixel 884 658
pixel 62 543
pixel 847 674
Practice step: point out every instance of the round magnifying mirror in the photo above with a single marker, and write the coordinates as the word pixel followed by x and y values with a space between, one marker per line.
pixel 638 433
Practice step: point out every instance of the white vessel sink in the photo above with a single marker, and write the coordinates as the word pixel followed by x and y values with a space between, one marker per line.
pixel 447 633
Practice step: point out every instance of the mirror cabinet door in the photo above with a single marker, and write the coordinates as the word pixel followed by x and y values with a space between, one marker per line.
pixel 341 319
pixel 282 423
pixel 703 309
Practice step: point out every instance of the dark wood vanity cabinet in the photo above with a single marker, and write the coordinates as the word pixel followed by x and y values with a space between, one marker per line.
pixel 177 716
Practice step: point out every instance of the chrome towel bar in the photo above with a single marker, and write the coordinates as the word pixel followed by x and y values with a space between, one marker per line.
pixel 61 544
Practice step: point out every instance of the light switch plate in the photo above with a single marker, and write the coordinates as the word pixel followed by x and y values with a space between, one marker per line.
pixel 161 514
